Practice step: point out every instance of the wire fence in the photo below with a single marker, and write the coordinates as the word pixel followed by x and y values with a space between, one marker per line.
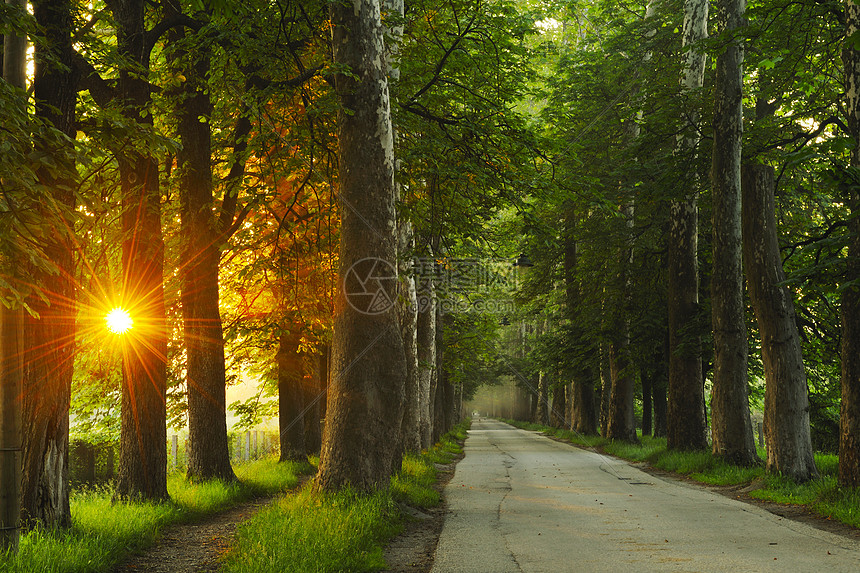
pixel 95 463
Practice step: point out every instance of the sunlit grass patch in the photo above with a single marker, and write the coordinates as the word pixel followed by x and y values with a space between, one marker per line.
pixel 827 464
pixel 104 532
pixel 343 531
pixel 414 483
pixel 316 532
pixel 268 475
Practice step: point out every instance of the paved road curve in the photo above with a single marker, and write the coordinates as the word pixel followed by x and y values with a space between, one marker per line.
pixel 522 502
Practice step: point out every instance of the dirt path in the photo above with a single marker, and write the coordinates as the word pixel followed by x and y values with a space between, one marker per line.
pixel 198 547
pixel 194 547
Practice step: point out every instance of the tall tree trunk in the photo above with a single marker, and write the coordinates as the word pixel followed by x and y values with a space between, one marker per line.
pixel 849 416
pixel 583 407
pixel 407 308
pixel 291 375
pixel 786 404
pixel 325 366
pixel 621 424
pixel 647 402
pixel 407 302
pixel 687 429
pixel 659 387
pixel 313 390
pixel 11 334
pixel 369 370
pixel 426 345
pixel 731 427
pixel 541 412
pixel 442 382
pixel 50 339
pixel 208 448
pixel 583 413
pixel 605 387
pixel 558 413
pixel 143 455
pixel 11 438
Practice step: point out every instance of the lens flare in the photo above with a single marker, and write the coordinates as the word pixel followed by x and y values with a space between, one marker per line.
pixel 119 321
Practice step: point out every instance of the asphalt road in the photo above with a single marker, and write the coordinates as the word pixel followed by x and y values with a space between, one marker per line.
pixel 520 501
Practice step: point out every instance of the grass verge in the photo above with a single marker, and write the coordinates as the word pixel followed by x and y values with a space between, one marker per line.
pixel 104 533
pixel 343 531
pixel 822 495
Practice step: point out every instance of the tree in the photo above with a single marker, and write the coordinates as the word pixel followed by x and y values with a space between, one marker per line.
pixel 730 413
pixel 686 419
pixel 291 373
pixel 621 424
pixel 583 406
pixel 407 299
pixel 427 373
pixel 786 406
pixel 849 419
pixel 143 456
pixel 369 371
pixel 202 235
pixel 11 311
pixel 50 329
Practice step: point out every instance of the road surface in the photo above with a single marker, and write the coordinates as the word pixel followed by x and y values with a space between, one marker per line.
pixel 520 501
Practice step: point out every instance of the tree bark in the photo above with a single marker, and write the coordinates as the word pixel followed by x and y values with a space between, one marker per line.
pixel 11 336
pixel 11 438
pixel 605 387
pixel 849 441
pixel 143 456
pixel 50 346
pixel 441 386
pixel 426 345
pixel 659 387
pixel 369 370
pixel 558 414
pixel 208 448
pixel 541 412
pixel 731 427
pixel 407 308
pixel 291 375
pixel 786 404
pixel 647 402
pixel 407 303
pixel 621 423
pixel 849 418
pixel 313 390
pixel 686 413
pixel 583 407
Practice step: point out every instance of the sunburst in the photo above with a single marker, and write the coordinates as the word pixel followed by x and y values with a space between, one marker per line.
pixel 119 321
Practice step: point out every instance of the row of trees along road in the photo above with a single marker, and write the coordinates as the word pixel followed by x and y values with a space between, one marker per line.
pixel 208 166
pixel 695 152
pixel 239 175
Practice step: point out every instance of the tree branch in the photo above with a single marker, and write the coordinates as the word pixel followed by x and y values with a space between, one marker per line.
pixel 102 91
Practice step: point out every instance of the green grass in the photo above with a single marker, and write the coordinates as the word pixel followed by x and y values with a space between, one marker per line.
pixel 309 531
pixel 822 495
pixel 103 533
pixel 414 483
pixel 343 531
